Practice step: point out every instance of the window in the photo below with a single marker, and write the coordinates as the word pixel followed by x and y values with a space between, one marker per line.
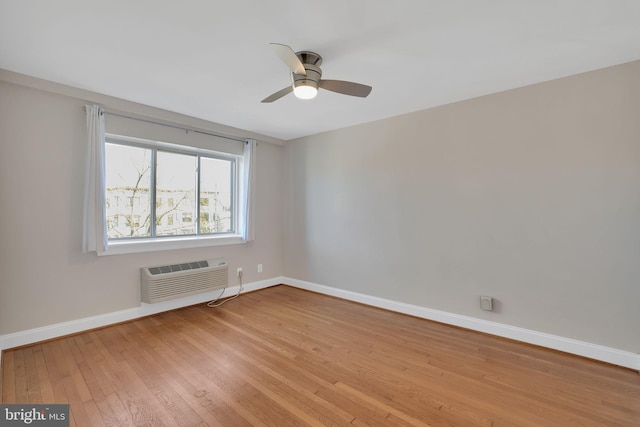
pixel 166 187
pixel 155 172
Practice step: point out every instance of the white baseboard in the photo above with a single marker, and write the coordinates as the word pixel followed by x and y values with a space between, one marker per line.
pixel 35 335
pixel 568 345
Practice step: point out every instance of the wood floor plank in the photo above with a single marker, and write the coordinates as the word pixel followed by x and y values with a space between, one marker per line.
pixel 20 378
pixel 284 357
pixel 33 390
pixel 8 377
pixel 44 381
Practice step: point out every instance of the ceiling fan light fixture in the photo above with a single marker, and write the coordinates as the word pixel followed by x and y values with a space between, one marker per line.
pixel 306 76
pixel 305 90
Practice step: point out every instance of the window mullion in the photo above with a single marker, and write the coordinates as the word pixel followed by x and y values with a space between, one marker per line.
pixel 197 195
pixel 154 158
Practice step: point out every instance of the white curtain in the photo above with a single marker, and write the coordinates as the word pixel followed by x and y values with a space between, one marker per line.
pixel 247 190
pixel 94 227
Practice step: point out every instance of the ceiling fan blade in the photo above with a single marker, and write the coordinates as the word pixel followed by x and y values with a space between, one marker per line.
pixel 346 88
pixel 279 94
pixel 289 57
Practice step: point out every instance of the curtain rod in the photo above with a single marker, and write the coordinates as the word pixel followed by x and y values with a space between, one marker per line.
pixel 174 127
pixel 171 126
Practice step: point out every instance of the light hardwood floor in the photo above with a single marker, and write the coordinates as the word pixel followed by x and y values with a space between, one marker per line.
pixel 282 356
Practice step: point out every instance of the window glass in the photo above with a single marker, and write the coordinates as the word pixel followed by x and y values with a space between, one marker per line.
pixel 128 187
pixel 215 196
pixel 176 177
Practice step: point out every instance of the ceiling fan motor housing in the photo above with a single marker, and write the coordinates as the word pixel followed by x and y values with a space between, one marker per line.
pixel 307 57
pixel 311 79
pixel 311 62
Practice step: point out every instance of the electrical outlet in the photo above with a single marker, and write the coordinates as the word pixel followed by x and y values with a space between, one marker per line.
pixel 239 272
pixel 259 268
pixel 486 303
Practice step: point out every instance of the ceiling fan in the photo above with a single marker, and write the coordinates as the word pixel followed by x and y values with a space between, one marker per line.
pixel 306 76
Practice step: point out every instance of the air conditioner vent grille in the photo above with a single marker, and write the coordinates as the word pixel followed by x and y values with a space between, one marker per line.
pixel 178 267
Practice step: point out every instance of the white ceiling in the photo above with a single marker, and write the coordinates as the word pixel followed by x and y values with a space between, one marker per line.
pixel 211 59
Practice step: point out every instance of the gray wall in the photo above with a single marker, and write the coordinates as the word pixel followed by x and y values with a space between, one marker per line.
pixel 531 196
pixel 44 277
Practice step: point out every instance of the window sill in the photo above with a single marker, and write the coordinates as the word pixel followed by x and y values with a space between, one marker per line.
pixel 152 245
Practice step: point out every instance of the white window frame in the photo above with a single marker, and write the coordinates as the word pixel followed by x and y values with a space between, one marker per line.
pixel 150 244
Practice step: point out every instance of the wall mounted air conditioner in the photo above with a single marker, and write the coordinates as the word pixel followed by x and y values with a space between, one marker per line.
pixel 178 280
